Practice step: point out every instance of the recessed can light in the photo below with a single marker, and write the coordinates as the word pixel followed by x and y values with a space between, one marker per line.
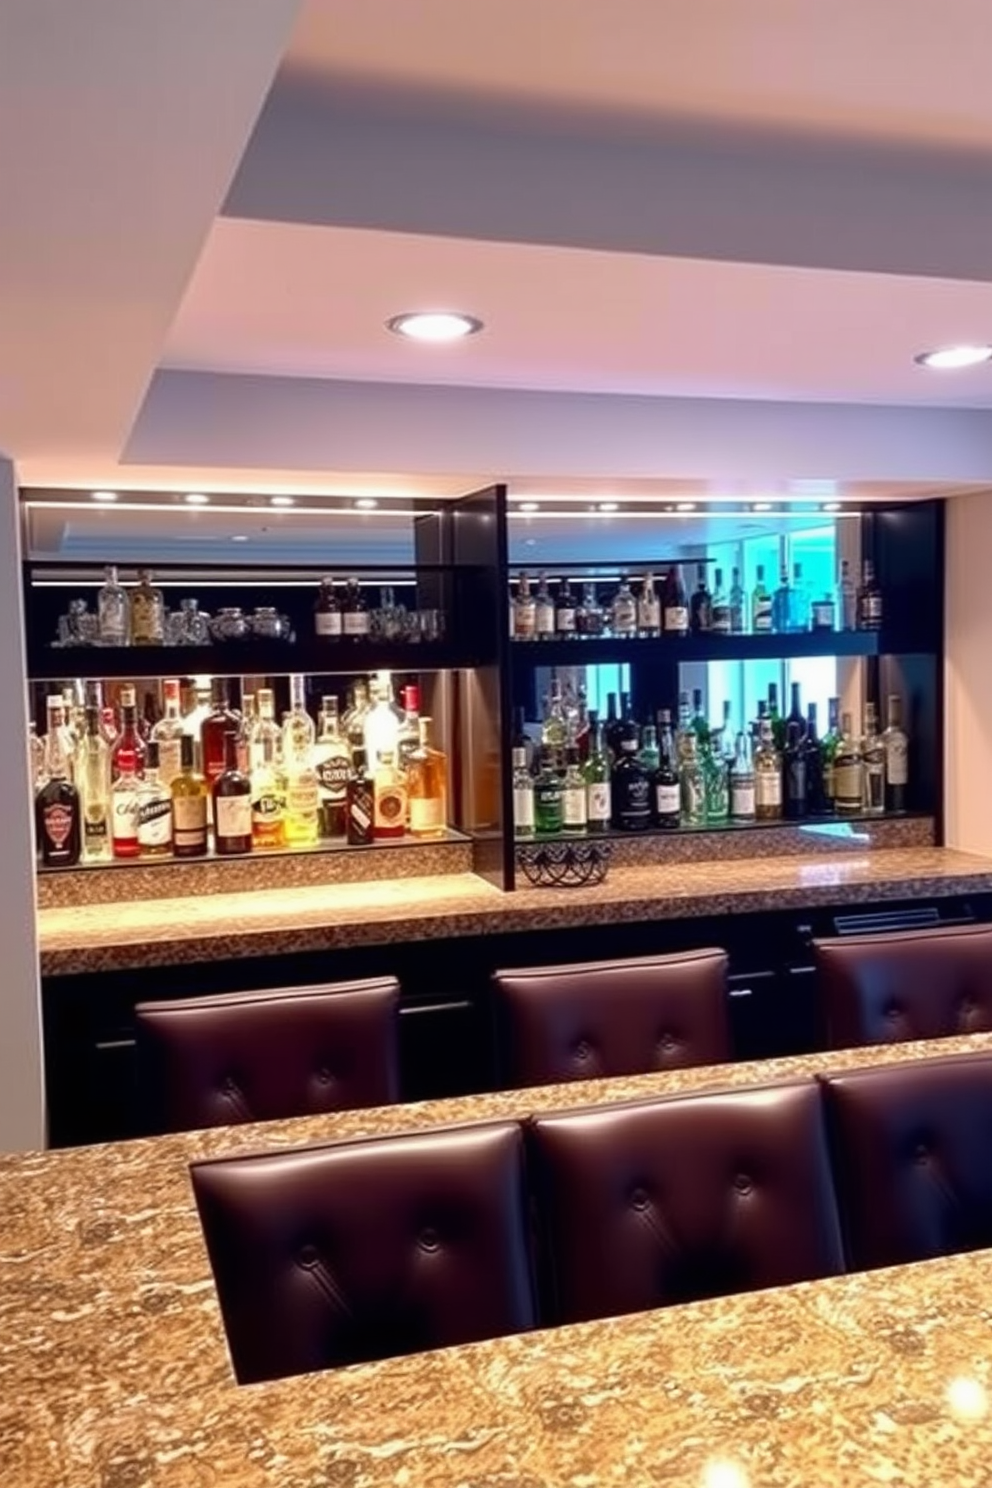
pixel 953 358
pixel 197 498
pixel 103 495
pixel 281 501
pixel 530 506
pixel 434 325
pixel 608 506
pixel 366 503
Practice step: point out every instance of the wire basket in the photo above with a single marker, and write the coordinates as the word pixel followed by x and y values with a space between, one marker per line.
pixel 564 865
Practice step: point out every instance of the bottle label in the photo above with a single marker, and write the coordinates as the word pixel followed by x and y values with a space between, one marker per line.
pixel 871 610
pixel 169 760
pixel 649 614
pixel 426 814
pixel 524 621
pixel 763 614
pixel 598 800
pixel 635 804
pixel 667 800
pixel 356 623
pixel 676 618
pixel 333 775
pixel 232 816
pixel 848 783
pixel 302 798
pixel 390 807
pixel 624 616
pixel 523 807
pixel 360 811
pixel 266 809
pixel 566 621
pixel 573 802
pixel 328 623
pixel 721 619
pixel 742 801
pixel 95 826
pixel 146 619
pixel 125 815
pixel 189 818
pixel 57 821
pixel 155 821
pixel 544 618
pixel 897 762
pixel 823 614
pixel 767 788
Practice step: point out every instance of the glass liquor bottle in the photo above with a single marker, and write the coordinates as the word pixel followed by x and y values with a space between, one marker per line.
pixel 795 713
pixel 612 726
pixel 648 608
pixel 720 608
pixel 782 605
pixel 353 722
pixel 869 599
pixel 775 718
pixel 125 807
pixel 631 785
pixel 391 806
pixel 848 773
pixel 327 619
pixel 896 757
pixel 692 786
pixel 408 738
pixel 154 809
pixel 298 732
pixel 427 786
pixel 265 730
pixel 92 779
pixel 701 607
pixel 823 614
pixel 675 603
pixel 794 773
pixel 302 788
pixel 168 733
pixel 742 801
pixel 36 748
pixel 848 598
pixel 147 612
pixel 548 804
pixel 381 729
pixel 268 797
pixel 762 617
pixel 57 803
pixel 737 602
pixel 113 608
pixel 189 805
pixel 129 739
pixel 361 801
pixel 623 611
pixel 873 763
pixel 650 752
pixel 354 614
pixel 715 781
pixel 219 722
pixel 828 749
pixel 523 793
pixel 798 602
pixel 589 618
pixel 596 773
pixel 767 776
pixel 544 610
pixel 574 808
pixel 699 725
pixel 554 729
pixel 565 612
pixel 332 762
pixel 666 796
pixel 246 730
pixel 196 716
pixel 524 611
pixel 232 804
pixel 816 800
pixel 684 728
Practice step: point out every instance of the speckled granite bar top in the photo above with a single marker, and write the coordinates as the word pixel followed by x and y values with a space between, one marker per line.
pixel 114 1370
pixel 173 931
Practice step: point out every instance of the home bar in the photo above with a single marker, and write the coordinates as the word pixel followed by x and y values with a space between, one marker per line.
pixel 497 922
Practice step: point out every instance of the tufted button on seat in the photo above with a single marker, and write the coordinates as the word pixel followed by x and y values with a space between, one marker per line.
pixel 743 1184
pixel 917 984
pixel 603 1017
pixel 308 1257
pixel 429 1240
pixel 638 1199
pixel 189 1048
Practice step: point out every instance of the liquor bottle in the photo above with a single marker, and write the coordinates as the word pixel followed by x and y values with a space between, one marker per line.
pixel 666 795
pixel 353 722
pixel 701 608
pixel 268 796
pixel 896 757
pixel 727 736
pixel 57 803
pixel 548 805
pixel 36 750
pixel 189 806
pixel 795 714
pixel 92 780
pixel 848 773
pixel 775 718
pixel 125 806
pixel 684 728
pixel 354 615
pixel 742 803
pixel 113 609
pixel 390 805
pixel 650 753
pixel 427 786
pixel 265 731
pixel 168 734
pixel 699 725
pixel 648 608
pixel 327 618
pixel 361 801
pixel 147 612
pixel 738 611
pixel 798 602
pixel 816 800
pixel 762 618
pixel 767 776
pixel 574 808
pixel 154 809
pixel 596 773
pixel 554 729
pixel 523 793
pixel 332 762
pixel 544 610
pixel 823 614
pixel 623 611
pixel 579 722
pixel 128 740
pixel 613 727
pixel 631 786
pixel 589 618
pixel 869 599
pixel 232 803
pixel 692 786
pixel 828 750
pixel 383 721
pixel 246 731
pixel 715 782
pixel 565 612
pixel 794 773
pixel 219 722
pixel 675 603
pixel 873 763
pixel 721 620
pixel 302 788
pixel 524 611
pixel 408 737
pixel 194 719
pixel 782 605
pixel 848 598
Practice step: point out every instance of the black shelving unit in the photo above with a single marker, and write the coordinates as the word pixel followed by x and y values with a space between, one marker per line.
pixel 613 649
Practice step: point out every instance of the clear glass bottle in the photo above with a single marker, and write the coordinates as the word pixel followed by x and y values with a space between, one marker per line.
pixel 848 594
pixel 302 787
pixel 92 779
pixel 782 605
pixel 383 720
pixel 742 799
pixel 353 722
pixel 762 618
pixel 675 603
pixel 574 809
pixel 828 749
pixel 666 793
pixel 869 599
pixel 565 612
pixel 298 732
pixel 168 734
pixel 873 763
pixel 554 729
pixel 700 724
pixel 524 611
pixel 738 604
pixel 113 609
pixel 361 801
pixel 523 794
pixel 544 610
pixel 327 618
pixel 589 619
pixel 548 804
pixel 596 772
pixel 147 612
pixel 767 776
pixel 268 795
pixel 650 752
pixel 648 608
pixel 701 604
pixel 125 806
pixel 715 781
pixel 692 786
pixel 36 748
pixel 332 762
pixel 848 773
pixel 391 803
pixel 189 805
pixel 631 785
pixel 154 809
pixel 684 728
pixel 798 602
pixel 896 757
pixel 57 804
pixel 409 738
pixel 354 613
pixel 427 786
pixel 265 731
pixel 721 618
pixel 623 617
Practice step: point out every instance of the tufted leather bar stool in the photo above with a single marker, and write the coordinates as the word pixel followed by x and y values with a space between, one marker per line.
pixel 917 984
pixel 259 1056
pixel 341 1254
pixel 911 1142
pixel 604 1018
pixel 669 1201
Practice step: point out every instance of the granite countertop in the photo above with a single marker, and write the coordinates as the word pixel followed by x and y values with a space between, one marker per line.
pixel 96 937
pixel 115 1372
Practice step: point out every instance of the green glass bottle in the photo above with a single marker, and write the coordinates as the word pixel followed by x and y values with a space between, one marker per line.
pixel 548 803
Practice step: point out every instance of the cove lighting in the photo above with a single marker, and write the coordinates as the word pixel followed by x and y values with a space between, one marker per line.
pixel 530 506
pixel 281 501
pixel 103 495
pixel 608 506
pixel 762 506
pixel 434 325
pixel 197 498
pixel 953 358
pixel 685 506
pixel 366 503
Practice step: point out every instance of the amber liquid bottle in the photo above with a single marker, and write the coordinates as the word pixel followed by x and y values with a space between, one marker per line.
pixel 232 804
pixel 219 722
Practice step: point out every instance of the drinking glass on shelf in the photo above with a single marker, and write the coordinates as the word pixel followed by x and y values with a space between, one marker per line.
pixel 189 625
pixel 431 624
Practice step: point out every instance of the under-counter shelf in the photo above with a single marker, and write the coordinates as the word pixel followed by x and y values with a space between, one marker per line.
pixel 249 658
pixel 592 651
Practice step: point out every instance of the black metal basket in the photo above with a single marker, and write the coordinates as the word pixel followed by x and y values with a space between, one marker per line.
pixel 563 865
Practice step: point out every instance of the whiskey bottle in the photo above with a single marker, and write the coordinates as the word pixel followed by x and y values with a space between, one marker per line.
pixel 767 776
pixel 648 608
pixel 873 763
pixel 361 802
pixel 574 808
pixel 701 607
pixel 675 603
pixel 168 733
pixel 268 797
pixel 666 805
pixel 762 619
pixel 631 786
pixel 738 623
pixel 794 773
pixel 523 794
pixel 57 803
pixel 332 762
pixel 742 802
pixel 623 611
pixel 113 611
pixel 848 773
pixel 125 806
pixel 219 722
pixel 869 599
pixel 896 757
pixel 548 806
pixel 354 615
pixel 391 802
pixel 720 606
pixel 823 614
pixel 154 809
pixel 589 618
pixel 565 612
pixel 129 740
pixel 692 786
pixel 596 773
pixel 524 611
pixel 327 622
pixel 427 786
pixel 147 612
pixel 189 805
pixel 232 804
pixel 92 779
pixel 544 610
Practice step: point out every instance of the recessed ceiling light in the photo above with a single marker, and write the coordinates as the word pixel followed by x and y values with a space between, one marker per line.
pixel 832 505
pixel 530 506
pixel 281 501
pixel 608 506
pixel 952 358
pixel 685 506
pixel 197 498
pixel 761 506
pixel 103 495
pixel 366 503
pixel 240 537
pixel 434 325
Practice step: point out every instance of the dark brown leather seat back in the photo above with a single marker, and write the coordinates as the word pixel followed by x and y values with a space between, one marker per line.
pixel 673 1200
pixel 913 1158
pixel 918 984
pixel 613 1017
pixel 259 1056
pixel 335 1255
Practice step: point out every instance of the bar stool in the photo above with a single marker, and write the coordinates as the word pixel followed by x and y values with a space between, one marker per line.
pixel 260 1056
pixel 603 1018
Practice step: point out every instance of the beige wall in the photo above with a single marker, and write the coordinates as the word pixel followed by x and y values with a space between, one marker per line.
pixel 968 673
